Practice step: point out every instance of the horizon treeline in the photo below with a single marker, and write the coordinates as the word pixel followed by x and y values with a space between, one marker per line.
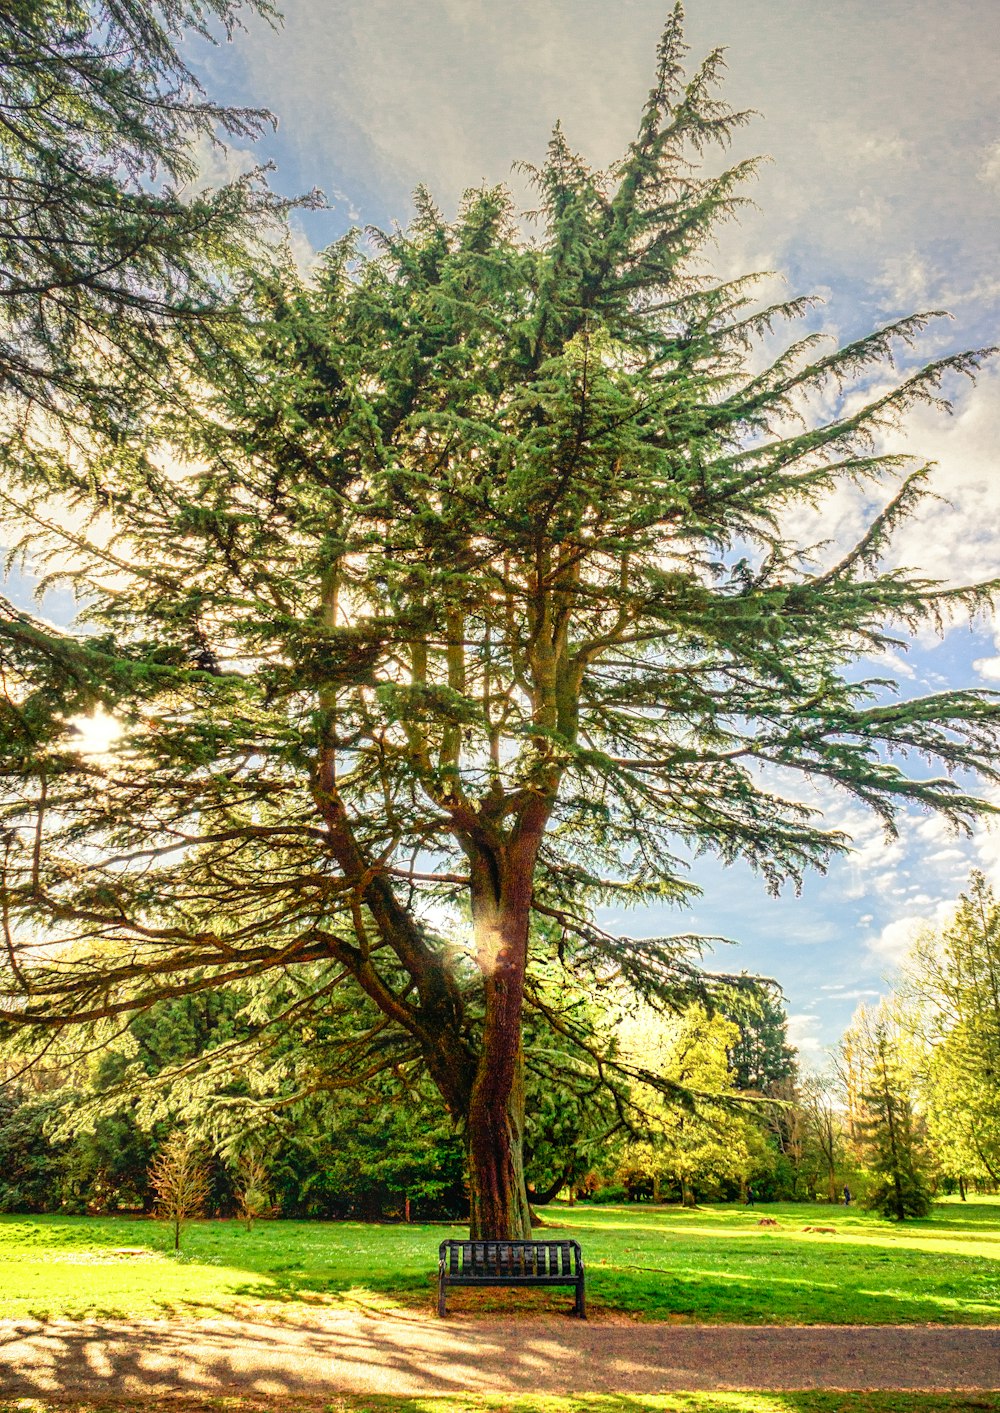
pixel 908 1108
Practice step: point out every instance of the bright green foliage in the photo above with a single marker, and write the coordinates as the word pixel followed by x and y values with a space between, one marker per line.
pixel 691 1148
pixel 474 591
pixel 954 979
pixel 946 1041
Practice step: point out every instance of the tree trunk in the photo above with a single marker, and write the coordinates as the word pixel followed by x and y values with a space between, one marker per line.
pixel 498 1197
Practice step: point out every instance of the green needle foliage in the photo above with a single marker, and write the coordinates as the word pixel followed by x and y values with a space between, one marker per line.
pixel 107 249
pixel 890 1132
pixel 468 585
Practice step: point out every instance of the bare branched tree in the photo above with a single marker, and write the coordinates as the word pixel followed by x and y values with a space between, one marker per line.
pixel 180 1179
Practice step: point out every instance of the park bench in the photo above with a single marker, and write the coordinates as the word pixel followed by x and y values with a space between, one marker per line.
pixel 511 1263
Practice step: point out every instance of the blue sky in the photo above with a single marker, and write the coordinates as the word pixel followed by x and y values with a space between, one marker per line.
pixel 883 196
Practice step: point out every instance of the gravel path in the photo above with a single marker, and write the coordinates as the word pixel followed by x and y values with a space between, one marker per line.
pixel 417 1354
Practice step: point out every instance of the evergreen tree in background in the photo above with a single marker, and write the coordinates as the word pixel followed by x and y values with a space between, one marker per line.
pixel 891 1135
pixel 473 605
pixel 761 1058
pixel 763 1063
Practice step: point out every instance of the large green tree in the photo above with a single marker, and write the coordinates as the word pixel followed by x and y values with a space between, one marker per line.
pixel 468 599
pixel 690 1147
pixel 952 985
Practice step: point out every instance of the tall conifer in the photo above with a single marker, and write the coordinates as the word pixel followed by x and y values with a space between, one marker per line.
pixel 476 591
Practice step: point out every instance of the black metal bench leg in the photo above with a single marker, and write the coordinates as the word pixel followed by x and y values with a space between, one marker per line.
pixel 581 1301
pixel 442 1296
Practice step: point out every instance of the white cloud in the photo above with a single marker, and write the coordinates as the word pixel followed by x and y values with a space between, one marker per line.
pixel 802 1033
pixel 954 535
pixel 219 164
pixel 988 843
pixel 895 941
pixel 946 856
pixel 896 664
pixel 956 539
pixel 904 279
pixel 303 251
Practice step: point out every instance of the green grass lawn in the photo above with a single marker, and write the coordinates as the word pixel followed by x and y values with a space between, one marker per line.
pixel 714 1264
pixel 811 1402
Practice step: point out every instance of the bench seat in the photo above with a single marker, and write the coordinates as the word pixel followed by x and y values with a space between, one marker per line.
pixel 472 1263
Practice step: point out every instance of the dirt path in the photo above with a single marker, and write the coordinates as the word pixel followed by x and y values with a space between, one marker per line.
pixel 417 1354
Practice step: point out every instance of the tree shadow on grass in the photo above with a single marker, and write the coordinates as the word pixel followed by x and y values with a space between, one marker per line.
pixel 754 1277
pixel 838 1285
pixel 979 1219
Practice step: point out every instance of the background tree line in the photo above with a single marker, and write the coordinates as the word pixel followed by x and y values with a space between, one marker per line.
pixel 908 1108
pixel 82 1134
pixel 920 1072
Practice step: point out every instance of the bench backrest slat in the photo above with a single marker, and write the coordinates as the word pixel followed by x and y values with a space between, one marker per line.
pixel 511 1258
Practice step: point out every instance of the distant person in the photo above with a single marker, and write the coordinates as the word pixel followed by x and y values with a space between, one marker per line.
pixel 847 1195
pixel 750 1197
